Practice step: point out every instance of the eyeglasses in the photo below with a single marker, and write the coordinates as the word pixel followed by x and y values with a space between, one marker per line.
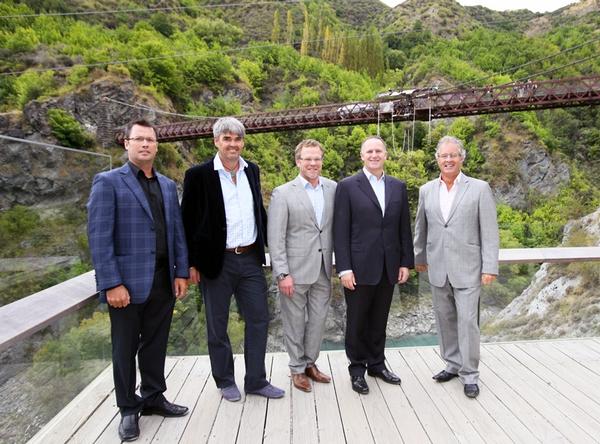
pixel 448 156
pixel 312 159
pixel 142 139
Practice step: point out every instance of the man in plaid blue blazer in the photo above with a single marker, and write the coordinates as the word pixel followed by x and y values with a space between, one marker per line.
pixel 140 256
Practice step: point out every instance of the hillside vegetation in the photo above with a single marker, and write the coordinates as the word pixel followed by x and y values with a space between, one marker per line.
pixel 191 58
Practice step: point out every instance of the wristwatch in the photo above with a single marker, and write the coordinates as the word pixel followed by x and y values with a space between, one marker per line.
pixel 282 276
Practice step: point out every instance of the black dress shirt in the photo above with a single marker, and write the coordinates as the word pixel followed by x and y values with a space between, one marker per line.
pixel 152 191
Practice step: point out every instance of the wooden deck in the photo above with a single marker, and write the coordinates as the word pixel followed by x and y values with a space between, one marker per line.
pixel 542 391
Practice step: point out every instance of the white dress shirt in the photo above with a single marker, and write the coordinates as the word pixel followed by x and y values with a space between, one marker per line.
pixel 315 194
pixel 447 196
pixel 378 186
pixel 239 205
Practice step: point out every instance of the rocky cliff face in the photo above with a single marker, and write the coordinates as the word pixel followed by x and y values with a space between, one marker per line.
pixel 562 299
pixel 536 171
pixel 41 176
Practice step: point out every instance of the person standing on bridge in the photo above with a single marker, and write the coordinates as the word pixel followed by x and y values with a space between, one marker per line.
pixel 139 253
pixel 301 248
pixel 225 223
pixel 373 252
pixel 456 241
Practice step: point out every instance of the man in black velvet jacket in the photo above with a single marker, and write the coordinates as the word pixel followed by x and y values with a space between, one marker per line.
pixel 225 224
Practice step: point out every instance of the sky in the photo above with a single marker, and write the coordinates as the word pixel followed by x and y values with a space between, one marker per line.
pixel 503 5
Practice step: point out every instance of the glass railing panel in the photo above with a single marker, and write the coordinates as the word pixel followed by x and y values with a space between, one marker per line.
pixel 43 192
pixel 40 375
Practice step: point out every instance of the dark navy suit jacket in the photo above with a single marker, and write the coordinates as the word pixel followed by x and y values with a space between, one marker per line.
pixel 364 239
pixel 122 237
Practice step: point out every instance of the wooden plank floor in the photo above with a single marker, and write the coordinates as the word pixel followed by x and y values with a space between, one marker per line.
pixel 540 391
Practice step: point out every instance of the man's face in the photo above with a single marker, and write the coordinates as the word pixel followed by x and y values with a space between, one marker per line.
pixel 230 146
pixel 373 155
pixel 141 145
pixel 310 163
pixel 449 160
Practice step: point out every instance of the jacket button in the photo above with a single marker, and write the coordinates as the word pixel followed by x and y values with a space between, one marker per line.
pixel 151 251
pixel 320 249
pixel 446 226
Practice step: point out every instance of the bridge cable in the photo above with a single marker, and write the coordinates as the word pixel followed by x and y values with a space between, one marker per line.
pixel 515 67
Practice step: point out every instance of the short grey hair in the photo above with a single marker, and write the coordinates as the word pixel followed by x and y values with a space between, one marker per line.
pixel 228 125
pixel 453 140
pixel 362 145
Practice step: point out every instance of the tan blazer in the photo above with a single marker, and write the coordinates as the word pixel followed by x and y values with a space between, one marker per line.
pixel 297 244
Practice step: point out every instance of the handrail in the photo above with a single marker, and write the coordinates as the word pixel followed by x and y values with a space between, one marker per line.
pixel 22 318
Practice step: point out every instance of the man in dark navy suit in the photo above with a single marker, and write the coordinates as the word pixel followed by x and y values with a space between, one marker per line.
pixel 225 223
pixel 139 253
pixel 373 252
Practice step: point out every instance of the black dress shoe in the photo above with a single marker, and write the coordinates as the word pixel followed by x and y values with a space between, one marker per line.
pixel 386 376
pixel 444 376
pixel 129 428
pixel 166 409
pixel 359 385
pixel 471 390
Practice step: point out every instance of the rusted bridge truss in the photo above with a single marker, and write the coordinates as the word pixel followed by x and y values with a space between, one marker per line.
pixel 406 106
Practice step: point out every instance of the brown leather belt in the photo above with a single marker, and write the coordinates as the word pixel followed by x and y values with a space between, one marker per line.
pixel 241 250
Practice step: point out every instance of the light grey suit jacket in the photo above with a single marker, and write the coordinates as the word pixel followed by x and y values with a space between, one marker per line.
pixel 297 244
pixel 464 246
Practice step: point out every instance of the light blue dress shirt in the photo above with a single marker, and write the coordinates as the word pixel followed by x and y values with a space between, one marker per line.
pixel 315 194
pixel 378 186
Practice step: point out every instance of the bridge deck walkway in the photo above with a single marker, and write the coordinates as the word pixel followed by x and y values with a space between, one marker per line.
pixel 535 391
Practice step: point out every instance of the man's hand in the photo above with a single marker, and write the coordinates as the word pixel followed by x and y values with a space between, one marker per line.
pixel 487 279
pixel 286 286
pixel 180 288
pixel 421 268
pixel 348 281
pixel 403 275
pixel 194 276
pixel 118 296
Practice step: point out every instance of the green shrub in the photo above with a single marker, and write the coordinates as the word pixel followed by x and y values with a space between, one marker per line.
pixel 19 221
pixel 67 130
pixel 30 85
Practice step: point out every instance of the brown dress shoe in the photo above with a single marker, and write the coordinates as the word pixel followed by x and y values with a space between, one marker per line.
pixel 301 382
pixel 316 375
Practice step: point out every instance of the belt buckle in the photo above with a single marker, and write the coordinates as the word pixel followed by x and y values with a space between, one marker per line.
pixel 235 250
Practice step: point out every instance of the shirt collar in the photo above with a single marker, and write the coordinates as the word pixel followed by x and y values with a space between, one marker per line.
pixel 306 183
pixel 458 179
pixel 137 171
pixel 219 164
pixel 372 177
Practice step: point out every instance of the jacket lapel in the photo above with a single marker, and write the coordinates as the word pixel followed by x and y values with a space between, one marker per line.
pixel 460 193
pixel 164 189
pixel 304 200
pixel 328 199
pixel 365 186
pixel 135 187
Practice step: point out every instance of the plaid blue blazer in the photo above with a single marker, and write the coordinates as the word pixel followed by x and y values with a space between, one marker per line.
pixel 121 233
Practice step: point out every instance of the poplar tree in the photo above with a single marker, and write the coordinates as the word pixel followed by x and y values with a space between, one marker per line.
pixel 305 45
pixel 289 38
pixel 276 31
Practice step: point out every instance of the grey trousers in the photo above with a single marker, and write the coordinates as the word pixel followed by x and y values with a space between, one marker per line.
pixel 457 317
pixel 303 316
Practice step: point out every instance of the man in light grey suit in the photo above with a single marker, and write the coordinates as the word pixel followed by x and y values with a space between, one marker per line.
pixel 456 241
pixel 301 246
